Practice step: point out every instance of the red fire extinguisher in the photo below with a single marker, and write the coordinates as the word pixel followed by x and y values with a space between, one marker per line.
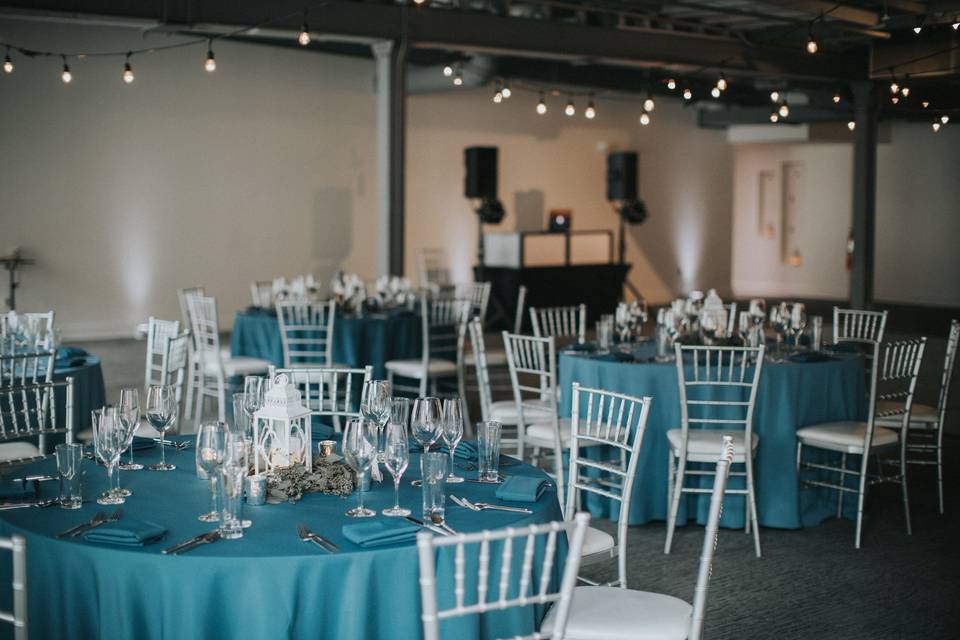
pixel 850 248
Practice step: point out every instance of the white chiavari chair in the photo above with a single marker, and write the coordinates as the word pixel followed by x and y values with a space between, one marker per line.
pixel 29 411
pixel 560 322
pixel 214 368
pixel 477 295
pixel 443 325
pixel 533 375
pixel 718 392
pixel 17 545
pixel 27 368
pixel 618 421
pixel 306 332
pixel 860 327
pixel 193 364
pixel 613 613
pixel 329 392
pixel 40 325
pixel 261 293
pixel 498 376
pixel 925 437
pixel 892 385
pixel 514 588
pixel 159 333
pixel 731 318
pixel 433 268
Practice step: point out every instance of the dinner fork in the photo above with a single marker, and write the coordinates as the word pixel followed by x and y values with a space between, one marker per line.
pixel 483 506
pixel 307 535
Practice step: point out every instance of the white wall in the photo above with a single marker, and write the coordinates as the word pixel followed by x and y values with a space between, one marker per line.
pixel 267 167
pixel 918 219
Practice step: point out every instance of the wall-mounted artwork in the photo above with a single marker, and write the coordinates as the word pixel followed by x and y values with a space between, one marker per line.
pixel 766 205
pixel 792 178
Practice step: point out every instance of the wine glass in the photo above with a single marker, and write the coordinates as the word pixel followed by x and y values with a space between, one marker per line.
pixel 375 407
pixel 798 321
pixel 108 435
pixel 161 414
pixel 400 411
pixel 233 467
pixel 211 448
pixel 253 390
pixel 359 450
pixel 129 410
pixel 623 319
pixel 452 430
pixel 709 326
pixel 425 424
pixel 396 458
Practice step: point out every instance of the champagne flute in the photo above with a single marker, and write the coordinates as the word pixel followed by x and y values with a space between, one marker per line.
pixel 452 430
pixel 359 450
pixel 108 443
pixel 425 424
pixel 253 389
pixel 211 448
pixel 161 414
pixel 396 459
pixel 129 408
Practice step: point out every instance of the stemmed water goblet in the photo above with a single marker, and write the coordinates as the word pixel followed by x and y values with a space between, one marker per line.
pixel 779 321
pixel 425 424
pixel 129 410
pixel 108 437
pixel 396 459
pixel 375 407
pixel 162 414
pixel 211 449
pixel 452 431
pixel 359 450
pixel 623 319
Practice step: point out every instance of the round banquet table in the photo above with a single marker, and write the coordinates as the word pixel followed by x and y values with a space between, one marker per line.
pixel 88 388
pixel 790 395
pixel 267 585
pixel 358 341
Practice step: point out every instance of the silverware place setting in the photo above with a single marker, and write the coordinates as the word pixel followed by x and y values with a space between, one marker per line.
pixel 484 506
pixel 98 519
pixel 193 543
pixel 430 526
pixel 306 535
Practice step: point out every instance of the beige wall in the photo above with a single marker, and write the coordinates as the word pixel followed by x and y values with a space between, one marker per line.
pixel 267 167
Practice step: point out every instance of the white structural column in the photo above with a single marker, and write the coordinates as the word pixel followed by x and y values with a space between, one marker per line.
pixel 391 124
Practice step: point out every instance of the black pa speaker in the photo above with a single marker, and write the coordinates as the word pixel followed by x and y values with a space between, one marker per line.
pixel 481 172
pixel 622 175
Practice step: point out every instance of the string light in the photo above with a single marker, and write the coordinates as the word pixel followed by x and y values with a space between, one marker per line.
pixel 671 84
pixel 570 110
pixel 304 37
pixel 590 112
pixel 128 76
pixel 644 118
pixel 812 46
pixel 419 1
pixel 925 104
pixel 498 97
pixel 774 117
pixel 894 99
pixel 894 87
pixel 458 77
pixel 7 62
pixel 687 94
pixel 447 71
pixel 542 105
pixel 944 119
pixel 905 91
pixel 722 83
pixel 784 110
pixel 836 98
pixel 936 127
pixel 65 75
pixel 648 103
pixel 851 125
pixel 506 91
pixel 917 29
pixel 956 26
pixel 715 92
pixel 211 64
pixel 774 96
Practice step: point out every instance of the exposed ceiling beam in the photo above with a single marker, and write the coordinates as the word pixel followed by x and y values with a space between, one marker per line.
pixel 454 30
pixel 831 10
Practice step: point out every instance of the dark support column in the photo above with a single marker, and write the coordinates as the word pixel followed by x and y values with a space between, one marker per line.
pixel 864 195
pixel 391 58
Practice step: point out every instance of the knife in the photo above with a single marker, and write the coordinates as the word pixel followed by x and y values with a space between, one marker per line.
pixel 186 545
pixel 421 523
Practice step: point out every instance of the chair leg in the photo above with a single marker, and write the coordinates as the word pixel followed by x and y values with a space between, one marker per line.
pixel 201 400
pixel 903 481
pixel 843 481
pixel 752 506
pixel 191 384
pixel 670 474
pixel 675 504
pixel 940 475
pixel 860 497
pixel 558 469
pixel 221 400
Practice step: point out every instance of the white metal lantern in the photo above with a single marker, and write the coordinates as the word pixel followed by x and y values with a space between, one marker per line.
pixel 281 429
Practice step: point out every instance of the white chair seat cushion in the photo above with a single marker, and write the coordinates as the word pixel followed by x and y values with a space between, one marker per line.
pixel 540 434
pixel 920 414
pixel 612 613
pixel 413 368
pixel 597 541
pixel 239 366
pixel 494 359
pixel 18 450
pixel 505 411
pixel 705 445
pixel 845 436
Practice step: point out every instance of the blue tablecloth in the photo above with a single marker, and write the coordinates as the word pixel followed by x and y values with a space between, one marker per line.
pixel 358 341
pixel 268 585
pixel 88 389
pixel 791 395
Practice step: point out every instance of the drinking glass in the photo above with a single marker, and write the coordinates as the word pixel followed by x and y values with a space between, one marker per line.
pixel 161 414
pixel 452 431
pixel 241 424
pixel 425 424
pixel 108 436
pixel 400 411
pixel 128 426
pixel 434 468
pixel 709 326
pixel 129 408
pixel 604 335
pixel 375 407
pixel 488 434
pixel 211 449
pixel 798 321
pixel 359 450
pixel 816 333
pixel 744 327
pixel 233 469
pixel 623 320
pixel 396 458
pixel 69 459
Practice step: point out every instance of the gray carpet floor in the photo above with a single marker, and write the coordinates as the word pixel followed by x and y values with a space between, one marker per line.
pixel 810 583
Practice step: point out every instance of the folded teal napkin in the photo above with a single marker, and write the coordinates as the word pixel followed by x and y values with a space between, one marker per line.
pixel 582 346
pixel 521 489
pixel 810 356
pixel 127 533
pixel 70 357
pixel 466 450
pixel 139 443
pixel 17 491
pixel 377 533
pixel 847 347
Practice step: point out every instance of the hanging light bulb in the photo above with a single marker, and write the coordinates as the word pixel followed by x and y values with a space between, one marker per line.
pixel 936 127
pixel 894 99
pixel 722 83
pixel 211 63
pixel 644 118
pixel 812 46
pixel 774 96
pixel 836 98
pixel 419 1
pixel 570 110
pixel 590 112
pixel 506 91
pixel 649 104
pixel 925 104
pixel 956 26
pixel 784 110
pixel 851 125
pixel 671 84
pixel 944 119
pixel 687 94
pixel 498 97
pixel 894 87
pixel 304 37
pixel 905 91
pixel 458 77
pixel 7 62
pixel 774 117
pixel 542 105
pixel 917 29
pixel 715 92
pixel 447 70
pixel 65 75
pixel 128 76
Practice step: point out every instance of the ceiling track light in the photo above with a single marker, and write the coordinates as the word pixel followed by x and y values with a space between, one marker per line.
pixel 304 37
pixel 128 76
pixel 65 75
pixel 956 26
pixel 211 63
pixel 7 62
pixel 895 99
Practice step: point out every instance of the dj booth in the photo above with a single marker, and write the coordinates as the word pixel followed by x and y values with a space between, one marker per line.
pixel 557 268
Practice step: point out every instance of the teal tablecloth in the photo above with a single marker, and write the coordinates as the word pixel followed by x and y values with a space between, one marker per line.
pixel 268 585
pixel 358 341
pixel 88 390
pixel 791 395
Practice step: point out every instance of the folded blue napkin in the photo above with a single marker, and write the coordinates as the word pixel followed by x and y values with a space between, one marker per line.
pixel 140 443
pixel 70 357
pixel 521 489
pixel 17 491
pixel 810 356
pixel 127 532
pixel 320 431
pixel 380 532
pixel 466 450
pixel 582 346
